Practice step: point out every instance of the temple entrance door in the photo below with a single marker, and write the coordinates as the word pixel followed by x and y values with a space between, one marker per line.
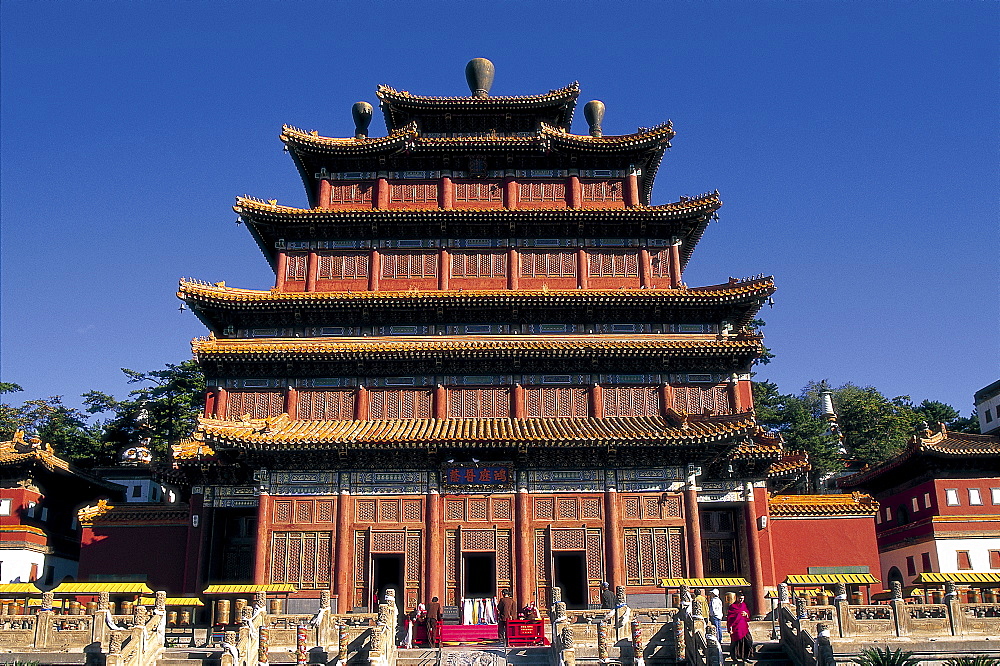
pixel 387 571
pixel 479 575
pixel 571 576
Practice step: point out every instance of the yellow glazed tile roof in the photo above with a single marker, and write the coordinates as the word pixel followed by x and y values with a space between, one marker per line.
pixel 389 93
pixel 94 588
pixel 962 577
pixel 831 579
pixel 250 589
pixel 843 504
pixel 20 450
pixel 790 463
pixel 475 346
pixel 704 582
pixel 174 601
pixel 8 589
pixel 418 433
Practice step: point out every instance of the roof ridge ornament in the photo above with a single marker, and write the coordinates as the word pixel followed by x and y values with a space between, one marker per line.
pixel 362 113
pixel 594 113
pixel 479 75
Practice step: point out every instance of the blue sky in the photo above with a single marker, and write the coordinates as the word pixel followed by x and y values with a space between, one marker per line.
pixel 853 143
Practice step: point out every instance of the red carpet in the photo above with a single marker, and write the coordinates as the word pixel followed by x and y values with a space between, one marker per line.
pixel 469 634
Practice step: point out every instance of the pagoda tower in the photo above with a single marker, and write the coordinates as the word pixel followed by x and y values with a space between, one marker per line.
pixel 479 368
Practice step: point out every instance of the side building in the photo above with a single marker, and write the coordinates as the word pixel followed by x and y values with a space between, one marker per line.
pixel 478 368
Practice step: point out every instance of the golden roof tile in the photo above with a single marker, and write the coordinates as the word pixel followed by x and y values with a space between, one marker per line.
pixel 20 450
pixel 281 431
pixel 792 462
pixel 854 504
pixel 390 94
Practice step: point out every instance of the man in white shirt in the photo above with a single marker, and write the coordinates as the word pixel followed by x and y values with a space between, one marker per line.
pixel 715 612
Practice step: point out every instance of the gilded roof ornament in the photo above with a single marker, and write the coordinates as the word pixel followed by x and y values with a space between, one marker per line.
pixel 362 113
pixel 594 113
pixel 479 75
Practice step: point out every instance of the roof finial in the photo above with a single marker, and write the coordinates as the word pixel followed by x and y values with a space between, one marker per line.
pixel 362 112
pixel 479 73
pixel 594 113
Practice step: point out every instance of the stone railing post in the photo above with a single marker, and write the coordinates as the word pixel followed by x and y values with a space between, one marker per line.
pixel 161 602
pixel 567 647
pixel 800 608
pixel 43 626
pixel 680 645
pixel 824 650
pixel 782 593
pixel 900 617
pixel 343 642
pixel 955 618
pixel 603 642
pixel 260 600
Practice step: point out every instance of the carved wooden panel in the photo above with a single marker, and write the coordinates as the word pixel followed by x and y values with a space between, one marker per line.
pixel 388 542
pixel 595 558
pixel 477 509
pixel 651 508
pixel 303 511
pixel 351 193
pixel 557 401
pixel 479 403
pixel 660 263
pixel 676 541
pixel 295 265
pixel 541 191
pixel 548 263
pixel 451 568
pixel 569 539
pixel 543 577
pixel 503 559
pixel 652 553
pixel 325 405
pixel 364 510
pixel 414 192
pixel 282 511
pixel 613 263
pixel 502 509
pixel 671 506
pixel 399 404
pixel 412 511
pixel 454 509
pixel 630 507
pixel 478 540
pixel 402 265
pixel 601 190
pixel 591 507
pixel 388 511
pixel 699 399
pixel 256 404
pixel 566 508
pixel 631 401
pixel 545 508
pixel 302 558
pixel 342 265
pixel 360 570
pixel 479 264
pixel 478 191
pixel 324 511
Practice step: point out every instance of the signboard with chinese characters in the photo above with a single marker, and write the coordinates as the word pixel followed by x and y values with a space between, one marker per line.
pixel 476 477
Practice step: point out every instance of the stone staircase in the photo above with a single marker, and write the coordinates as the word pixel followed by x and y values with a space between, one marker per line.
pixel 189 657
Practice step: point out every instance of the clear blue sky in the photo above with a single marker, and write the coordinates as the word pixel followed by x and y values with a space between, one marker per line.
pixel 854 145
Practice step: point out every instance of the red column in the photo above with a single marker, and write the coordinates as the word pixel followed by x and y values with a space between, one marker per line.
pixel 440 402
pixel 575 192
pixel 524 562
pixel 435 548
pixel 666 397
pixel 193 544
pixel 444 269
pixel 597 401
pixel 447 195
pixel 675 265
pixel 325 190
pixel 381 198
pixel 361 404
pixel 510 193
pixel 582 270
pixel 632 190
pixel 209 404
pixel 696 568
pixel 344 553
pixel 645 265
pixel 753 553
pixel 613 538
pixel 734 398
pixel 221 402
pixel 263 539
pixel 312 270
pixel 513 269
pixel 744 393
pixel 519 411
pixel 291 401
pixel 374 270
pixel 280 271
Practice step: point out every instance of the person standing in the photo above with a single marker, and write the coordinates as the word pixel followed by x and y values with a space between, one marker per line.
pixel 715 612
pixel 738 624
pixel 434 622
pixel 506 611
pixel 608 598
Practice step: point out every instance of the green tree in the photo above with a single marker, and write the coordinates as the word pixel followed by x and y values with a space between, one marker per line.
pixel 65 428
pixel 875 427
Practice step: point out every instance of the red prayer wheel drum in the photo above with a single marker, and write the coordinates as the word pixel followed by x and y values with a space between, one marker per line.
pixel 274 606
pixel 172 618
pixel 111 607
pixel 222 611
pixel 185 618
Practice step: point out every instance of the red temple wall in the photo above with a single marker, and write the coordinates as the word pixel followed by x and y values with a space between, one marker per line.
pixel 158 551
pixel 791 545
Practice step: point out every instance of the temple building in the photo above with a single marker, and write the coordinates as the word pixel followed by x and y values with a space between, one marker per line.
pixel 479 368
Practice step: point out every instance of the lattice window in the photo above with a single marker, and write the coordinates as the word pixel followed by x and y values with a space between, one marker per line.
pixel 575 539
pixel 399 404
pixel 388 542
pixel 413 560
pixel 324 511
pixel 479 264
pixel 591 507
pixel 258 404
pixel 536 263
pixel 303 511
pixel 720 556
pixel 401 265
pixel 295 265
pixel 412 512
pixel 566 509
pixel 425 193
pixel 302 558
pixel 698 399
pixel 478 191
pixel 651 507
pixel 631 505
pixel 595 555
pixel 365 511
pixel 454 509
pixel 556 401
pixel 477 509
pixel 631 401
pixel 351 193
pixel 660 263
pixel 613 263
pixel 479 403
pixel 502 509
pixel 649 554
pixel 672 506
pixel 545 508
pixel 503 558
pixel 325 405
pixel 342 266
pixel 282 512
pixel 478 540
pixel 533 190
pixel 388 511
pixel 602 190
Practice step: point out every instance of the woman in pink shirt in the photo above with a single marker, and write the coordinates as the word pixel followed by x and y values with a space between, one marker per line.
pixel 738 624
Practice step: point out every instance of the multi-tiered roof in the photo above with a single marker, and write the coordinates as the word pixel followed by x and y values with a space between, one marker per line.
pixel 503 177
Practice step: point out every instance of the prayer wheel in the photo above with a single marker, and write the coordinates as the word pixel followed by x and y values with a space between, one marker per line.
pixel 729 598
pixel 274 606
pixel 238 607
pixel 75 608
pixel 990 595
pixel 935 596
pixel 172 618
pixel 111 607
pixel 222 611
pixel 91 607
pixel 5 607
pixel 821 598
pixel 128 607
pixel 974 596
pixel 856 598
pixel 185 618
